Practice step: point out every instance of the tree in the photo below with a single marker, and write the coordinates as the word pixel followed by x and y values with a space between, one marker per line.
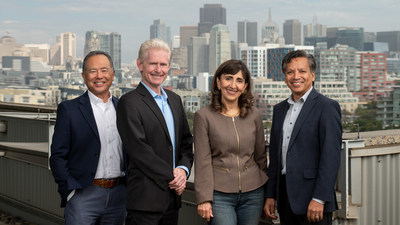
pixel 189 117
pixel 366 118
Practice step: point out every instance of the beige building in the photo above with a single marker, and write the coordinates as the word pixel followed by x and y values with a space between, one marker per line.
pixel 269 93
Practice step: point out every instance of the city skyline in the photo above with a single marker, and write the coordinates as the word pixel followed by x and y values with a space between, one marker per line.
pixel 40 21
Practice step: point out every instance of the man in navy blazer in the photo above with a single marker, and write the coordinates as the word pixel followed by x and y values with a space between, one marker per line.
pixel 157 139
pixel 304 150
pixel 86 159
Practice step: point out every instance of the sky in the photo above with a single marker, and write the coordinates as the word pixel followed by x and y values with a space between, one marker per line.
pixel 41 21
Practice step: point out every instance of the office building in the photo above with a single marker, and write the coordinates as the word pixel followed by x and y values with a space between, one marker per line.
pixel 270 31
pixel 389 108
pixel 392 38
pixel 393 67
pixel 317 42
pixel 109 42
pixel 161 31
pixel 210 15
pixel 179 58
pixel 338 64
pixel 292 32
pixel 16 63
pixel 41 51
pixel 203 82
pixel 7 46
pixel 369 36
pixel 220 46
pixel 373 77
pixel 247 33
pixel 67 47
pixel 255 59
pixel 381 47
pixel 198 53
pixel 268 93
pixel 186 32
pixel 351 36
pixel 314 29
pixel 64 50
pixel 337 90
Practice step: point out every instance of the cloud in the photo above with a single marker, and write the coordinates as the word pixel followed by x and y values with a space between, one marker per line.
pixel 8 22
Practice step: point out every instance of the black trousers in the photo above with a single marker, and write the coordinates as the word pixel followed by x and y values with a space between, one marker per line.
pixel 287 217
pixel 169 217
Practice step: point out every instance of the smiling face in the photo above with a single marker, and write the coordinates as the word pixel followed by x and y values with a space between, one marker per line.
pixel 298 77
pixel 231 86
pixel 98 76
pixel 154 68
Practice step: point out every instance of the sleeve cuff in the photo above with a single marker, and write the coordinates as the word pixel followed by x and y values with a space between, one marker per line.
pixel 185 169
pixel 319 201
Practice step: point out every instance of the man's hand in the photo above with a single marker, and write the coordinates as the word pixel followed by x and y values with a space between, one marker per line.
pixel 315 211
pixel 269 208
pixel 179 181
pixel 205 210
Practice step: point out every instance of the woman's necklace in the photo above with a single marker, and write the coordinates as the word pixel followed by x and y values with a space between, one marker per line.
pixel 232 114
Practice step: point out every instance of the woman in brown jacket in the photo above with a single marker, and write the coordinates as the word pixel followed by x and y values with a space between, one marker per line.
pixel 230 159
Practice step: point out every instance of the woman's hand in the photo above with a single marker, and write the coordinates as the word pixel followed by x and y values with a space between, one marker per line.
pixel 205 210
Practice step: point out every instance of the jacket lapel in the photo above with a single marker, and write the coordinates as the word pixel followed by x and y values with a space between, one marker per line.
pixel 115 101
pixel 87 113
pixel 173 104
pixel 280 119
pixel 305 111
pixel 152 104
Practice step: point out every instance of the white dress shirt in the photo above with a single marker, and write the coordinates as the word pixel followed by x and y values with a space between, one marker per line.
pixel 111 159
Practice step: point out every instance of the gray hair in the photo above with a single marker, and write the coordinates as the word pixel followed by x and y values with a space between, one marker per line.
pixel 93 53
pixel 153 43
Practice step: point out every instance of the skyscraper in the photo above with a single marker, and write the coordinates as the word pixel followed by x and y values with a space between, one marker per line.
pixel 270 31
pixel 314 29
pixel 351 36
pixel 161 31
pixel 292 32
pixel 107 42
pixel 247 33
pixel 115 49
pixel 255 58
pixel 391 37
pixel 220 46
pixel 186 32
pixel 198 52
pixel 210 15
pixel 67 47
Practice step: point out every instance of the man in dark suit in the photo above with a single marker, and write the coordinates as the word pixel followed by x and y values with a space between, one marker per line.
pixel 156 136
pixel 87 160
pixel 305 144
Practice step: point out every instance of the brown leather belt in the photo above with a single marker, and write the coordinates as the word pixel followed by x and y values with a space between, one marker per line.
pixel 108 183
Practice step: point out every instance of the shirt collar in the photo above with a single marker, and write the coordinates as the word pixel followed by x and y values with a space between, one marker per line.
pixel 302 99
pixel 154 94
pixel 95 100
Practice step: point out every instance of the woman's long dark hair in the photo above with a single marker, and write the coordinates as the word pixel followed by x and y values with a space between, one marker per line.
pixel 245 102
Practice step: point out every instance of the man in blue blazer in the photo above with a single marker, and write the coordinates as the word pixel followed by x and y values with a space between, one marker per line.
pixel 156 136
pixel 86 159
pixel 305 144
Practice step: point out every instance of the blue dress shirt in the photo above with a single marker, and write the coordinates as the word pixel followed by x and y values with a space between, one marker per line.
pixel 162 102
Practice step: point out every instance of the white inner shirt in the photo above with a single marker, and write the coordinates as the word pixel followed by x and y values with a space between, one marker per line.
pixel 111 159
